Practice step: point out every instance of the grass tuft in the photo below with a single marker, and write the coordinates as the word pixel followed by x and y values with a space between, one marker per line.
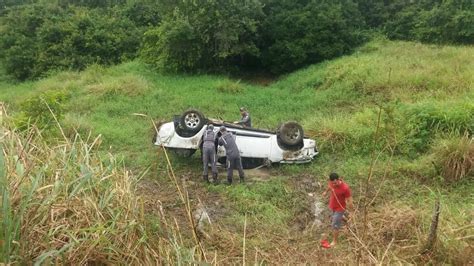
pixel 455 157
pixel 230 87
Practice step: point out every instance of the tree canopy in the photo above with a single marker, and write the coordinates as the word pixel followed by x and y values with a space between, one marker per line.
pixel 276 36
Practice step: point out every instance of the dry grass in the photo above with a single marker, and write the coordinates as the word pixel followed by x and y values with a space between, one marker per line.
pixel 63 203
pixel 455 157
pixel 391 235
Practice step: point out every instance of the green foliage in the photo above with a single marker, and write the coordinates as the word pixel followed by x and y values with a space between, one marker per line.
pixel 301 33
pixel 91 3
pixel 204 35
pixel 43 110
pixel 172 46
pixel 279 36
pixel 425 120
pixel 38 38
pixel 431 21
pixel 143 13
pixel 447 22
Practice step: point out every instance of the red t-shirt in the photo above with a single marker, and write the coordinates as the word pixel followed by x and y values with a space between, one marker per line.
pixel 339 194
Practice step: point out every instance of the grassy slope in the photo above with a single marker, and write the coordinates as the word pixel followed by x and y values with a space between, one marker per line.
pixel 335 101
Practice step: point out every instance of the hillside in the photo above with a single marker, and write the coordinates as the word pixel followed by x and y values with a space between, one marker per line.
pixel 394 118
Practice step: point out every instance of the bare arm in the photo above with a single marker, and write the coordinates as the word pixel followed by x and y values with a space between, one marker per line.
pixel 326 191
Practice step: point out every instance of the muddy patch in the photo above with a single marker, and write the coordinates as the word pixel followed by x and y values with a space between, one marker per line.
pixel 313 213
pixel 161 198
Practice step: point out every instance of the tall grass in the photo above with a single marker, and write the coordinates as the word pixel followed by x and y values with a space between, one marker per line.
pixel 64 203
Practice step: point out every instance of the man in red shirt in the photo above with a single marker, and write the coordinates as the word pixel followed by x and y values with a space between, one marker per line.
pixel 340 195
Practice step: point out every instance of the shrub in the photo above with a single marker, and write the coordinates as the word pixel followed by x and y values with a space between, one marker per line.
pixel 39 110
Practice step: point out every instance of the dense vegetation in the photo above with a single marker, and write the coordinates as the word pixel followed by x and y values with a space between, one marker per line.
pixel 420 151
pixel 37 37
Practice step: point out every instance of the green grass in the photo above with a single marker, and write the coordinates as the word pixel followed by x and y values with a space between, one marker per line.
pixel 424 92
pixel 271 203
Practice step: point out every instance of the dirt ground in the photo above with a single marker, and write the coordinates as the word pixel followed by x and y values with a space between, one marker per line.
pixel 298 243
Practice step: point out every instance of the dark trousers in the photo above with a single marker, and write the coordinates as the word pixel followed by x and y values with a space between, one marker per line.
pixel 234 163
pixel 209 156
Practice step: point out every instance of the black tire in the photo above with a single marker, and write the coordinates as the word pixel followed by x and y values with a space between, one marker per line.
pixel 291 134
pixel 222 160
pixel 192 121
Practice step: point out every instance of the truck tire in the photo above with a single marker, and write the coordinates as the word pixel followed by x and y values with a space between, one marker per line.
pixel 191 122
pixel 290 134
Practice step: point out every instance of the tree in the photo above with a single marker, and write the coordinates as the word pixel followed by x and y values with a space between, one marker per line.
pixel 203 35
pixel 38 38
pixel 305 32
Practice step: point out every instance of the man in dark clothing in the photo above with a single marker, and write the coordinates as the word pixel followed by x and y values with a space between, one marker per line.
pixel 209 153
pixel 232 154
pixel 245 119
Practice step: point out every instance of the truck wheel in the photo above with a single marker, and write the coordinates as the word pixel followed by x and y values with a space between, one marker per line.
pixel 192 121
pixel 290 134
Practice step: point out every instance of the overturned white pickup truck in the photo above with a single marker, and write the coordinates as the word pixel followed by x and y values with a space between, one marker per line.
pixel 257 147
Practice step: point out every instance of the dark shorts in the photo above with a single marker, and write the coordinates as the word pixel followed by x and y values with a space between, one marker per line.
pixel 337 219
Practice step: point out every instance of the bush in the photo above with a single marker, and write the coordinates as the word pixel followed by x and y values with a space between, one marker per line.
pixel 39 110
pixel 426 120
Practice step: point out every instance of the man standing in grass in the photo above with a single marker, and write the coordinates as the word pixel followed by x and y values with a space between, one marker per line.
pixel 232 153
pixel 209 153
pixel 340 194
